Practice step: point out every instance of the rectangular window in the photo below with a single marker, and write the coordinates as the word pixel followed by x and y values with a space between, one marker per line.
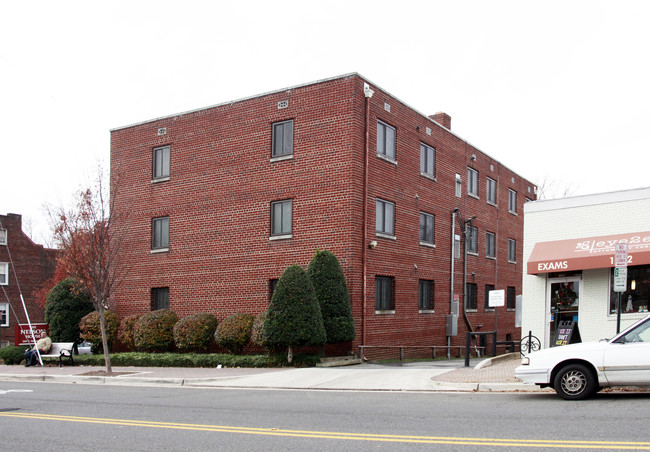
pixel 459 186
pixel 160 233
pixel 159 298
pixel 281 217
pixel 427 160
pixel 3 236
pixel 385 222
pixel 385 140
pixel 637 290
pixel 511 298
pixel 471 302
pixel 512 201
pixel 472 182
pixel 488 288
pixel 472 239
pixel 4 273
pixel 4 314
pixel 490 244
pixel 282 138
pixel 512 250
pixel 161 158
pixel 491 191
pixel 426 295
pixel 457 246
pixel 384 297
pixel 426 228
pixel 272 284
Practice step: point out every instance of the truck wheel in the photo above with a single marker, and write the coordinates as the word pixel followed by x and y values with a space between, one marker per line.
pixel 575 382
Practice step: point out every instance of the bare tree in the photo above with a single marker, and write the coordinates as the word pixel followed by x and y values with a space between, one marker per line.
pixel 552 189
pixel 90 245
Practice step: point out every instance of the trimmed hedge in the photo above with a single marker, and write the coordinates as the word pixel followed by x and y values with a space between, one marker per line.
pixel 234 332
pixel 332 293
pixel 126 330
pixel 154 331
pixel 12 354
pixel 257 332
pixel 91 330
pixel 212 360
pixel 195 332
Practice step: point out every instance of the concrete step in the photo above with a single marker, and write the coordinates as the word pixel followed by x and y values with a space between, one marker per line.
pixel 335 361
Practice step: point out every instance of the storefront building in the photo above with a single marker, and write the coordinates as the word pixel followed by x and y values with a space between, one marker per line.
pixel 569 247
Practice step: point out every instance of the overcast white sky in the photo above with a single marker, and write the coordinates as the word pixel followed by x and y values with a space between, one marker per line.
pixel 556 90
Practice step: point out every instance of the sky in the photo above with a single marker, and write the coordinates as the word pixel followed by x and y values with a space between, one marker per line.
pixel 558 91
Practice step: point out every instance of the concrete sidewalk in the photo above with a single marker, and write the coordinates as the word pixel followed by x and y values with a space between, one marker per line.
pixel 495 374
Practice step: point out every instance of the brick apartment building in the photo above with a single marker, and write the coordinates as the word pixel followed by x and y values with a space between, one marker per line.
pixel 222 199
pixel 33 265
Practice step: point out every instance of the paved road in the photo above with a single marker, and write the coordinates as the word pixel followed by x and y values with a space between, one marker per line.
pixel 70 417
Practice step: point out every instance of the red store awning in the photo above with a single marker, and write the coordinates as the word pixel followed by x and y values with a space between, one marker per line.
pixel 587 253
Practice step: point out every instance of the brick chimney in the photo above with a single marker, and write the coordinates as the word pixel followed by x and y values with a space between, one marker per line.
pixel 443 119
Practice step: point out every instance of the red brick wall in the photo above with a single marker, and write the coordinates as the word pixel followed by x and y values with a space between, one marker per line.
pixel 34 265
pixel 222 182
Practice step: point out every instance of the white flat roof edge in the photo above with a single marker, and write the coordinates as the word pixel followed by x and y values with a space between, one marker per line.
pixel 587 200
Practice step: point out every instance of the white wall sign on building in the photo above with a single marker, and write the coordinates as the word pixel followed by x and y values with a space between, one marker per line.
pixel 497 298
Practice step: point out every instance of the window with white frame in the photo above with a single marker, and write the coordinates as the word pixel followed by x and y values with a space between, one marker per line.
pixel 427 160
pixel 161 162
pixel 3 236
pixel 281 217
pixel 4 273
pixel 160 233
pixel 384 293
pixel 472 239
pixel 4 314
pixel 512 201
pixel 490 244
pixel 426 291
pixel 459 186
pixel 426 228
pixel 457 246
pixel 512 250
pixel 282 138
pixel 385 140
pixel 472 182
pixel 491 191
pixel 385 222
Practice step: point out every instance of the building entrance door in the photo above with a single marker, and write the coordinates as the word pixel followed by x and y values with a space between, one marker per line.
pixel 563 299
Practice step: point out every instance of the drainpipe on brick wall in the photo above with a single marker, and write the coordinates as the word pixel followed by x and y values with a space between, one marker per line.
pixel 364 246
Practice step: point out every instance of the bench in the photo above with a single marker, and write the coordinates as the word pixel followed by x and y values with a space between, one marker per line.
pixel 60 350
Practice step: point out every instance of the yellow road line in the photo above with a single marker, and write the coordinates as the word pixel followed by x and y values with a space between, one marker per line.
pixel 554 443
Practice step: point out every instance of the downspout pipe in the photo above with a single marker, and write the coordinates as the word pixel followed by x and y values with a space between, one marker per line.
pixel 364 224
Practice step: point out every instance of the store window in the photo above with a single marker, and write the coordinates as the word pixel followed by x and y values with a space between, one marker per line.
pixel 636 297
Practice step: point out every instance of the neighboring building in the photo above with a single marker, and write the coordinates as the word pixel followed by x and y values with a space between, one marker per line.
pixel 569 247
pixel 33 265
pixel 222 199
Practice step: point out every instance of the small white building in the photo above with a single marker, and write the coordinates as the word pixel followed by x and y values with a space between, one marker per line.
pixel 569 248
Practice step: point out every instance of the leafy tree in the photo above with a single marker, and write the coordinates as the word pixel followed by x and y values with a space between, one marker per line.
pixel 66 304
pixel 294 316
pixel 91 245
pixel 327 276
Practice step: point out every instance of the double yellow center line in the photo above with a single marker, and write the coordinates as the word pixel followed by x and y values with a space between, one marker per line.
pixel 504 442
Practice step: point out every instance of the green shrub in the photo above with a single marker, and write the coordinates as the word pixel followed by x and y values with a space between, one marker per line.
pixel 154 331
pixel 195 332
pixel 294 316
pixel 91 330
pixel 13 355
pixel 126 330
pixel 332 293
pixel 65 306
pixel 234 332
pixel 257 332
